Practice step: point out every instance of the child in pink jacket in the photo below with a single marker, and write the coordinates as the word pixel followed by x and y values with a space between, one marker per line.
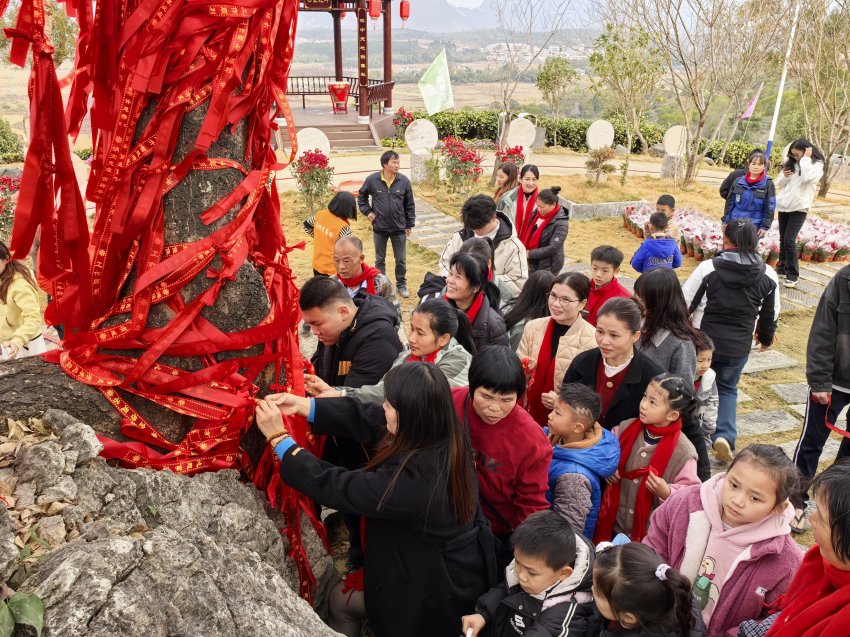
pixel 730 537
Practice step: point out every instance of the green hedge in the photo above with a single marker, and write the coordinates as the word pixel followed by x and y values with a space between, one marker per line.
pixel 572 132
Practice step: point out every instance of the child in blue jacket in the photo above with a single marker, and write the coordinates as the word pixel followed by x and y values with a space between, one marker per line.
pixel 584 454
pixel 659 249
pixel 752 196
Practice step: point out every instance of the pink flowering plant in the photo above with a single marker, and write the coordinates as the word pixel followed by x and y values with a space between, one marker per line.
pixel 8 186
pixel 401 120
pixel 314 176
pixel 462 164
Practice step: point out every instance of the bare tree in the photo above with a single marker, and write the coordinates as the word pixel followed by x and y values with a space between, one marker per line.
pixel 526 29
pixel 821 62
pixel 628 68
pixel 708 48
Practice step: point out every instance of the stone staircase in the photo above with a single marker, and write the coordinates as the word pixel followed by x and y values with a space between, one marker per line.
pixel 350 136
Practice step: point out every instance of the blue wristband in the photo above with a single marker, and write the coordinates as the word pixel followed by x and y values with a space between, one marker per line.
pixel 312 415
pixel 283 446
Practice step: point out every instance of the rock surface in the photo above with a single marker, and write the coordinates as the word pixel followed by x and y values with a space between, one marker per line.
pixel 145 553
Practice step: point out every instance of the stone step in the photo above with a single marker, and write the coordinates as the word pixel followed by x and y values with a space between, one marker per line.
pixel 764 361
pixel 830 449
pixel 792 392
pixel 761 423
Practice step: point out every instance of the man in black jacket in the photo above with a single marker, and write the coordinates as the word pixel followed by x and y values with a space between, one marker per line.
pixel 828 375
pixel 358 338
pixel 386 198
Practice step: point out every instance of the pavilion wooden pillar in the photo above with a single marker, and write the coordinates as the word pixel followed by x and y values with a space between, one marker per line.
pixel 363 60
pixel 388 53
pixel 337 44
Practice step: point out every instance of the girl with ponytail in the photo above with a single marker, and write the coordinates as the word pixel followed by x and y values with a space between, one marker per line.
pixel 640 596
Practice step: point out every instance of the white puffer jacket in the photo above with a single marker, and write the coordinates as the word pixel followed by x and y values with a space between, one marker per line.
pixel 797 192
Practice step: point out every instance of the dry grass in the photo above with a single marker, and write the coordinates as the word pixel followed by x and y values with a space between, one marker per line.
pixel 292 215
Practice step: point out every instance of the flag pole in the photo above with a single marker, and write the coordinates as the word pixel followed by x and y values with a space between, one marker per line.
pixel 782 81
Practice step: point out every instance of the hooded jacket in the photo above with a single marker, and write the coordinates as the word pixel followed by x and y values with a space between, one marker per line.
pixel 565 609
pixel 828 351
pixel 591 463
pixel 366 350
pixel 731 296
pixel 755 202
pixel 453 360
pixel 798 190
pixel 657 251
pixel 550 254
pixel 687 528
pixel 510 262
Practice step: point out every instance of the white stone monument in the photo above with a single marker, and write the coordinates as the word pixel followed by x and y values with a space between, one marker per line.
pixel 421 138
pixel 600 134
pixel 312 139
pixel 674 143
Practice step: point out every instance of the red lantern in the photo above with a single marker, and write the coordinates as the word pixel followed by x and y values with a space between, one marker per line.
pixel 342 15
pixel 404 10
pixel 374 9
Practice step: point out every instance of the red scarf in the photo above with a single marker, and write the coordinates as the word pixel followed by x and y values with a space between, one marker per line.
pixel 643 503
pixel 367 274
pixel 431 358
pixel 524 210
pixel 817 603
pixel 530 237
pixel 753 179
pixel 474 309
pixel 544 377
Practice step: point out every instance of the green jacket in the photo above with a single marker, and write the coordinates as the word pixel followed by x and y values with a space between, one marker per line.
pixel 453 360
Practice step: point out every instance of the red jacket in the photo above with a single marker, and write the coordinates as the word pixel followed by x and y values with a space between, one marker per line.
pixel 512 461
pixel 598 296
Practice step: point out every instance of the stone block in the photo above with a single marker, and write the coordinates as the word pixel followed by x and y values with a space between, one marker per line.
pixel 764 361
pixel 792 392
pixel 418 170
pixel 672 167
pixel 743 397
pixel 761 423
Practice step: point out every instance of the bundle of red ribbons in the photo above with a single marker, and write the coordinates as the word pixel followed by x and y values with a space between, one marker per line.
pixel 163 59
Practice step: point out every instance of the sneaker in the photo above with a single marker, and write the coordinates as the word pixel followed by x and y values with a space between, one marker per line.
pixel 402 290
pixel 790 283
pixel 722 450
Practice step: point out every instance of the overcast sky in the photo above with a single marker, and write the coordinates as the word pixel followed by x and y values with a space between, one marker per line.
pixel 467 3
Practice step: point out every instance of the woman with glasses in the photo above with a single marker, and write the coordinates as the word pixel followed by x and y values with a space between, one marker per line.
pixel 550 343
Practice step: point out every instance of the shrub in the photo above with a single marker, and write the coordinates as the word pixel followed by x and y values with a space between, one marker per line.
pixel 514 155
pixel 314 175
pixel 11 144
pixel 463 164
pixel 83 153
pixel 598 164
pixel 8 185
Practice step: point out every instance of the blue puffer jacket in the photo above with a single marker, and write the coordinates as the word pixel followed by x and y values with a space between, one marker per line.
pixel 595 463
pixel 755 202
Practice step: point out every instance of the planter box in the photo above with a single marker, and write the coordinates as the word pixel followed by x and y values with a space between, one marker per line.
pixel 581 211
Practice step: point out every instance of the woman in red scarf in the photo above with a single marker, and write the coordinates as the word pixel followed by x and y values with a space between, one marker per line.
pixel 543 233
pixel 439 333
pixel 519 203
pixel 817 603
pixel 468 288
pixel 552 342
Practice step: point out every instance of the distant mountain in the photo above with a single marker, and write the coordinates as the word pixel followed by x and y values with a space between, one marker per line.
pixel 431 15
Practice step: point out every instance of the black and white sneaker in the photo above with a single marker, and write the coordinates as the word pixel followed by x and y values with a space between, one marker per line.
pixel 790 283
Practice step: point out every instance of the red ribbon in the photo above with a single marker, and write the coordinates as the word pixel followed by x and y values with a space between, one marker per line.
pixel 164 59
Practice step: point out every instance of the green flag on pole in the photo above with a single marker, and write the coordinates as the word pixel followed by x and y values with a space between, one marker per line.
pixel 436 86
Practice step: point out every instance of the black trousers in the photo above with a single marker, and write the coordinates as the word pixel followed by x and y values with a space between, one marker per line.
pixel 790 224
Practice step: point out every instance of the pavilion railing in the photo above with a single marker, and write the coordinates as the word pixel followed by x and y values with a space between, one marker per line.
pixel 377 91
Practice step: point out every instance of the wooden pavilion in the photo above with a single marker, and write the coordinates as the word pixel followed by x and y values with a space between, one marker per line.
pixel 365 92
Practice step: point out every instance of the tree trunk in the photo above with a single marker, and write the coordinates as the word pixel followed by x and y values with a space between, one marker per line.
pixel 693 155
pixel 628 155
pixel 728 141
pixel 502 142
pixel 826 181
pixel 644 145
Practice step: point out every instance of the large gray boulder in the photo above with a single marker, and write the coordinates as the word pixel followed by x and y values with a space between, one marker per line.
pixel 142 553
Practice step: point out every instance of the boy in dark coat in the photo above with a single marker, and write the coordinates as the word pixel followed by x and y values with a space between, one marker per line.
pixel 548 585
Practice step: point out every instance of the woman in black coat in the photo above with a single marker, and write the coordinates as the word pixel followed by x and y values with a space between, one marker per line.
pixel 469 289
pixel 619 373
pixel 428 553
pixel 545 234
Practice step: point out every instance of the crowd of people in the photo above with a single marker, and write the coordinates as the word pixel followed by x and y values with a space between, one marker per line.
pixel 536 460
